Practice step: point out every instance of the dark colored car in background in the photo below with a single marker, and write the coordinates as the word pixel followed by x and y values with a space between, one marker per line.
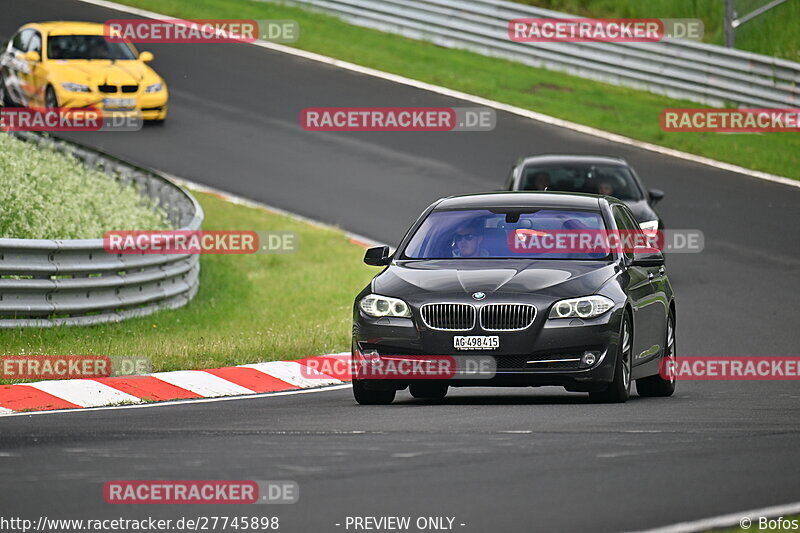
pixel 588 174
pixel 454 287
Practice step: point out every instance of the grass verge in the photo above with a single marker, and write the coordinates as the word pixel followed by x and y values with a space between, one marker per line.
pixel 47 195
pixel 250 308
pixel 617 109
pixel 770 34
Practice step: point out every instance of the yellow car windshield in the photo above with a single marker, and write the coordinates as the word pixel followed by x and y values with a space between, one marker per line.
pixel 86 47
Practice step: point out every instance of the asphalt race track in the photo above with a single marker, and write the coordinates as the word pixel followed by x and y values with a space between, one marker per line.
pixel 496 460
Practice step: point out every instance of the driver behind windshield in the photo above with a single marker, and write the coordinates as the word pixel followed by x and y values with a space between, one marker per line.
pixel 98 50
pixel 467 241
pixel 605 187
pixel 541 181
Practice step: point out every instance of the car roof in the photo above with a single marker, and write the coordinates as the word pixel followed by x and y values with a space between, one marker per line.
pixel 65 27
pixel 523 199
pixel 573 158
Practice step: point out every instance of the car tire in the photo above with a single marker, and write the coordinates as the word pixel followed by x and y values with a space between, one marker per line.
pixel 50 98
pixel 619 390
pixel 366 396
pixel 428 391
pixel 657 385
pixel 5 97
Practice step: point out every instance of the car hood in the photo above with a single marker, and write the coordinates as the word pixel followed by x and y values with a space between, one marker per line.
pixel 455 277
pixel 98 72
pixel 641 210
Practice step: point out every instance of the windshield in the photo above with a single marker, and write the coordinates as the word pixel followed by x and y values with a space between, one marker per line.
pixel 608 180
pixel 86 47
pixel 500 234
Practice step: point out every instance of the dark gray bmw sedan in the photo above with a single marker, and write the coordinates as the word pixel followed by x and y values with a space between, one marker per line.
pixel 463 287
pixel 606 176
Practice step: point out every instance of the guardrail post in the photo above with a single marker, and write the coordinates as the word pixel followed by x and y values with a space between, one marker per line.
pixel 730 31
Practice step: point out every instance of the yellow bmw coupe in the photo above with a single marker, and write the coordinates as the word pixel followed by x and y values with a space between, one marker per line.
pixel 71 64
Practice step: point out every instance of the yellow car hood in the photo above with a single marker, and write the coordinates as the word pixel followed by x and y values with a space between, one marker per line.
pixel 98 72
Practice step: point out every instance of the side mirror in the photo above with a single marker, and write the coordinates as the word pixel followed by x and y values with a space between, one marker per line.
pixel 647 257
pixel 146 57
pixel 378 256
pixel 33 56
pixel 655 195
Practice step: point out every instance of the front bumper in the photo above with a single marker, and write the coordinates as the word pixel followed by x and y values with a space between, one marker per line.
pixel 152 106
pixel 542 354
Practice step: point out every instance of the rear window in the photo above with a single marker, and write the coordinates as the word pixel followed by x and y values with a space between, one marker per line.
pixel 477 233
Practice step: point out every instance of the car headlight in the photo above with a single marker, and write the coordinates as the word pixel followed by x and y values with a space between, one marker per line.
pixel 75 87
pixel 584 307
pixel 378 306
pixel 650 225
pixel 154 88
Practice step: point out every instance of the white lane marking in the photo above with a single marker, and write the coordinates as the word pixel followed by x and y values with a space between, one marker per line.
pixel 294 373
pixel 611 455
pixel 539 117
pixel 202 383
pixel 84 392
pixel 732 519
pixel 180 402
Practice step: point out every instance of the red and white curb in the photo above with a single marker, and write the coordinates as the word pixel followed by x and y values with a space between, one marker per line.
pixel 274 376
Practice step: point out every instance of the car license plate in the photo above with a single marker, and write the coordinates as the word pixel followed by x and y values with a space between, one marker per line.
pixel 476 342
pixel 119 102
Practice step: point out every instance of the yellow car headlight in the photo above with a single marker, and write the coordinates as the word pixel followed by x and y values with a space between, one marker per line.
pixel 75 87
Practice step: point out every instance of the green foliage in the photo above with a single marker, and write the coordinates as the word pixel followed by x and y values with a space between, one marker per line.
pixel 45 194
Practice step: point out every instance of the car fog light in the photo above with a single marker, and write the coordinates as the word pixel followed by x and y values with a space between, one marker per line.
pixel 588 359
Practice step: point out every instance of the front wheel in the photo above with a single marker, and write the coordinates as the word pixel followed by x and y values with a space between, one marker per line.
pixel 5 98
pixel 619 389
pixel 366 396
pixel 50 98
pixel 659 385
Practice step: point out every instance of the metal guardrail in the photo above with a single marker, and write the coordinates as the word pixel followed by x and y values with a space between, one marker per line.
pixel 699 72
pixel 76 282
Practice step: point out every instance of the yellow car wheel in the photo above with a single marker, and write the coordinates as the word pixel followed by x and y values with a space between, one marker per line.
pixel 5 98
pixel 50 98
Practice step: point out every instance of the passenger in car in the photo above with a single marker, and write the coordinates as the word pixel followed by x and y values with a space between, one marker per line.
pixel 467 241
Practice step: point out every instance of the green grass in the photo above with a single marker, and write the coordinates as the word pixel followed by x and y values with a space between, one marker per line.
pixel 45 195
pixel 772 33
pixel 617 109
pixel 249 308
